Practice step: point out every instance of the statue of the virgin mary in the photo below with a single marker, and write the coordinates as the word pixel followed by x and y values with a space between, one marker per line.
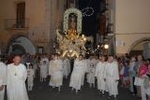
pixel 72 32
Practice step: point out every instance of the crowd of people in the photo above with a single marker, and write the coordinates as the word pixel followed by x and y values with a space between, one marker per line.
pixel 135 75
pixel 102 72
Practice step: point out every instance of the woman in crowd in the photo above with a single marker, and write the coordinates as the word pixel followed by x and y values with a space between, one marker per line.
pixel 126 74
pixel 132 75
pixel 142 70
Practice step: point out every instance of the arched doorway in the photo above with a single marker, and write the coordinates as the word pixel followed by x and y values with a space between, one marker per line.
pixel 140 47
pixel 21 45
pixel 18 49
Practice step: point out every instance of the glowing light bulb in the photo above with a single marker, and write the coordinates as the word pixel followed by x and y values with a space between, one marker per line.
pixel 106 46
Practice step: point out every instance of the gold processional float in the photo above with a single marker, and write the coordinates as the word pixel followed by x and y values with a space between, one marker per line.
pixel 71 41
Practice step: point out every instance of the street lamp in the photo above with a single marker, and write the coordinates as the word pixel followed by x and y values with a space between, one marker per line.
pixel 106 46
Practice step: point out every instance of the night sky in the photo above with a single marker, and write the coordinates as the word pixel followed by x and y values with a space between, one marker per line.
pixel 91 23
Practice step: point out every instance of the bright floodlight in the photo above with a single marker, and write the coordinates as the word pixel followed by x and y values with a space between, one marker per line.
pixel 106 46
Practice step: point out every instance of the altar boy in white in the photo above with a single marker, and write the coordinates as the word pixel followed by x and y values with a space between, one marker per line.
pixel 30 80
pixel 91 71
pixel 112 76
pixel 99 74
pixel 77 76
pixel 43 70
pixel 16 76
pixel 55 72
pixel 66 67
pixel 2 80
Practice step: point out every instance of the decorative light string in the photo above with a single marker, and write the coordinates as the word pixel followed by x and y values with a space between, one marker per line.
pixel 88 11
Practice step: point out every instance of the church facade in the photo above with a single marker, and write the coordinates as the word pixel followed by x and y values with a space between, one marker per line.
pixel 34 21
pixel 131 25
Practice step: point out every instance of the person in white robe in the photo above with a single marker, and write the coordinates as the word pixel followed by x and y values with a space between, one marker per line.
pixel 78 73
pixel 30 74
pixel 2 80
pixel 91 71
pixel 66 67
pixel 99 74
pixel 44 58
pixel 112 76
pixel 97 58
pixel 35 64
pixel 69 65
pixel 16 76
pixel 43 70
pixel 55 72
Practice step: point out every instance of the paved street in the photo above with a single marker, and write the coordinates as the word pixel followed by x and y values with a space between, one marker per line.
pixel 42 91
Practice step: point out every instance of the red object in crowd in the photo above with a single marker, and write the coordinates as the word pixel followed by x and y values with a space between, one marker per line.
pixel 143 69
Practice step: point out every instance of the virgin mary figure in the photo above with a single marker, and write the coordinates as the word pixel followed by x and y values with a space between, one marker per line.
pixel 72 32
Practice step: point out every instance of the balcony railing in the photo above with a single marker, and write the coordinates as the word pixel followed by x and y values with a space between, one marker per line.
pixel 16 24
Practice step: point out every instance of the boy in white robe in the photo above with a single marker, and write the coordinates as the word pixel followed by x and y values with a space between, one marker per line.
pixel 77 76
pixel 30 72
pixel 43 71
pixel 99 74
pixel 45 59
pixel 55 72
pixel 66 67
pixel 91 72
pixel 112 76
pixel 16 76
pixel 2 80
pixel 35 64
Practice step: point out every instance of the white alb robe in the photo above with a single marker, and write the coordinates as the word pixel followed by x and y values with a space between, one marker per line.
pixel 55 71
pixel 47 62
pixel 112 75
pixel 43 70
pixel 69 65
pixel 66 67
pixel 91 71
pixel 16 76
pixel 99 74
pixel 30 75
pixel 77 76
pixel 2 79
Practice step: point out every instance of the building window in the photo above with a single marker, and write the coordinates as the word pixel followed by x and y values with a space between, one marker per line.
pixel 20 15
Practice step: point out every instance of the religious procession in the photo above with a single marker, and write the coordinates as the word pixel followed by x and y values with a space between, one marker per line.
pixel 104 73
pixel 74 50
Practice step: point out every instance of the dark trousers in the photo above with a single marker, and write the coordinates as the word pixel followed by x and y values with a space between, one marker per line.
pixel 134 87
